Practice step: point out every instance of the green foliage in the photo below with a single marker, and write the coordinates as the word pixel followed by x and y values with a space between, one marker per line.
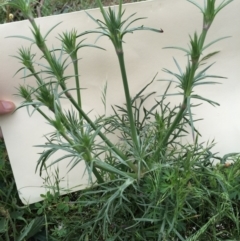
pixel 51 7
pixel 185 197
pixel 148 186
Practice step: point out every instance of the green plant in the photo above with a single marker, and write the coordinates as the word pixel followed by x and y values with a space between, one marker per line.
pixel 46 8
pixel 149 185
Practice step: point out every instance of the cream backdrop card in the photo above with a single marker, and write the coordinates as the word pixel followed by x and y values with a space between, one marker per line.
pixel 144 58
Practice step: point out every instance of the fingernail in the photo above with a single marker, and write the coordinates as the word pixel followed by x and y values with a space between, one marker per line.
pixel 7 105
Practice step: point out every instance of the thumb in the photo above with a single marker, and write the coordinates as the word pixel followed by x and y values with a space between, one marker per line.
pixel 6 107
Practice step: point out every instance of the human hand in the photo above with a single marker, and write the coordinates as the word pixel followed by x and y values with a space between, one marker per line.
pixel 6 107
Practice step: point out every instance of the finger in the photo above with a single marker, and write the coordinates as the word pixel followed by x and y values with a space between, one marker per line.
pixel 6 107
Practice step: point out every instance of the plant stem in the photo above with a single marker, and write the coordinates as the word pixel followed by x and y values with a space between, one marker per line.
pixel 203 37
pixel 187 93
pixel 77 81
pixel 88 158
pixel 127 96
pixel 176 121
pixel 178 118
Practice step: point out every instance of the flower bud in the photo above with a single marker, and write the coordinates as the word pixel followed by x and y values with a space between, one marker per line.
pixel 10 17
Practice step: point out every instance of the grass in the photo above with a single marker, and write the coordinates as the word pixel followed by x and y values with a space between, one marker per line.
pixel 207 199
pixel 53 7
